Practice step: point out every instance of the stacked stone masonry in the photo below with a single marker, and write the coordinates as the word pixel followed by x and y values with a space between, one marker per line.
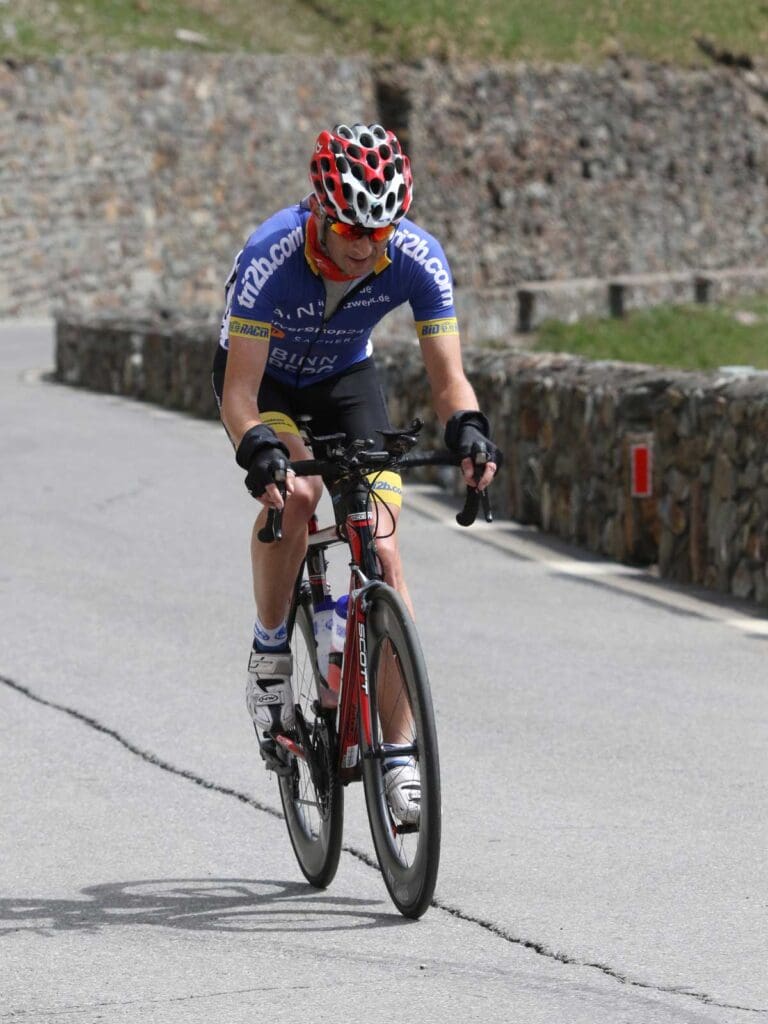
pixel 568 428
pixel 128 182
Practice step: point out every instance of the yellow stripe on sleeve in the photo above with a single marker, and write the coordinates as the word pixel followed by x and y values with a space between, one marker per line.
pixel 240 328
pixel 437 328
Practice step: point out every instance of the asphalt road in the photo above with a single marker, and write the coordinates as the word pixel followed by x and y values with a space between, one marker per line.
pixel 603 743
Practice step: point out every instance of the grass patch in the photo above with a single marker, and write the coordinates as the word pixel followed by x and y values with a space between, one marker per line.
pixel 687 337
pixel 583 31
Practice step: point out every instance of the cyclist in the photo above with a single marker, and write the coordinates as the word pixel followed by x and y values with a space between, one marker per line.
pixel 302 300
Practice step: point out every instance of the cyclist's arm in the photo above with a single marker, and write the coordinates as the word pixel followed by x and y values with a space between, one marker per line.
pixel 246 361
pixel 451 391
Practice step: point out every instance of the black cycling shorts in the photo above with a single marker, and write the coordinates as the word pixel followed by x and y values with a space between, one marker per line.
pixel 352 402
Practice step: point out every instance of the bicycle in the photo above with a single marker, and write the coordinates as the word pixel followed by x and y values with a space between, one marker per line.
pixel 342 738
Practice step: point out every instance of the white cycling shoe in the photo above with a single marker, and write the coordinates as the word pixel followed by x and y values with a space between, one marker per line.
pixel 269 699
pixel 402 787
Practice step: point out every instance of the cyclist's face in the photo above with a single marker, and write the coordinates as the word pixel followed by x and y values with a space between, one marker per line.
pixel 356 256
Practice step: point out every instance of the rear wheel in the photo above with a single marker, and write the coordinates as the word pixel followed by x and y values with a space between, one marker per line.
pixel 401 715
pixel 311 793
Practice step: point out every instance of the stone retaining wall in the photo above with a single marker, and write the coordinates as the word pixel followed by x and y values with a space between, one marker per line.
pixel 128 182
pixel 573 432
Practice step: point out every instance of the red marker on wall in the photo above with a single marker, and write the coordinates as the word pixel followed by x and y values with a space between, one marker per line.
pixel 641 469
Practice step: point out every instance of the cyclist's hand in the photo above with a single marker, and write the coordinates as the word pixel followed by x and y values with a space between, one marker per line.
pixel 272 496
pixel 478 474
pixel 265 458
pixel 466 433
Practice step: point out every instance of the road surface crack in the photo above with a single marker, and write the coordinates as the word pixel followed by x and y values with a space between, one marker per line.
pixel 488 926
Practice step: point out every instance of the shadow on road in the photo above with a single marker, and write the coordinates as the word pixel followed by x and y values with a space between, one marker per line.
pixel 195 904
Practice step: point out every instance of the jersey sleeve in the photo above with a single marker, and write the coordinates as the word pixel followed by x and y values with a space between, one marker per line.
pixel 432 283
pixel 252 295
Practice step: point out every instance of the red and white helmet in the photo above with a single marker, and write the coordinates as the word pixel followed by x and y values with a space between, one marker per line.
pixel 361 175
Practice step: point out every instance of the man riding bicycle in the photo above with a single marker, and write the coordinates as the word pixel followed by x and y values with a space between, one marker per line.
pixel 303 298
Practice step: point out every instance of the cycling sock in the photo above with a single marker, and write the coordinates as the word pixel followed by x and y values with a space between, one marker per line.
pixel 275 640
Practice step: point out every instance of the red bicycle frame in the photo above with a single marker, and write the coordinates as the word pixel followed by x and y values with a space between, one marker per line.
pixel 355 710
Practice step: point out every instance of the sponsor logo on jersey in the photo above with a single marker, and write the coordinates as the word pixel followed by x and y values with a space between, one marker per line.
pixel 308 366
pixel 261 268
pixel 434 328
pixel 366 301
pixel 417 248
pixel 240 328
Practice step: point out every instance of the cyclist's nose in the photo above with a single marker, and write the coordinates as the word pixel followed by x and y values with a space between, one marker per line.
pixel 362 248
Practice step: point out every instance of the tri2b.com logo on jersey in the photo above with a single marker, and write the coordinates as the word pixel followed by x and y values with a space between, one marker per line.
pixel 261 268
pixel 417 248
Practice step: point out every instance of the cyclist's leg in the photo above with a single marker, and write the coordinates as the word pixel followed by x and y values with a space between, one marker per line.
pixel 275 565
pixel 387 494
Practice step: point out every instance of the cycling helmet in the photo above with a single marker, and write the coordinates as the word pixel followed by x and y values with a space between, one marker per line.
pixel 361 175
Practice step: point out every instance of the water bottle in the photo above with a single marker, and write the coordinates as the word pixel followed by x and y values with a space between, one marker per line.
pixel 323 626
pixel 338 636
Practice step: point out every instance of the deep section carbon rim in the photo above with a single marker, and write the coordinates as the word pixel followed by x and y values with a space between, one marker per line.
pixel 314 808
pixel 402 715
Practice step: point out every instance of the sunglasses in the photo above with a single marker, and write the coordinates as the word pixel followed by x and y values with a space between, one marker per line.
pixel 353 232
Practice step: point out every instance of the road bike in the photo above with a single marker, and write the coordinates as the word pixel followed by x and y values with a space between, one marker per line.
pixel 383 707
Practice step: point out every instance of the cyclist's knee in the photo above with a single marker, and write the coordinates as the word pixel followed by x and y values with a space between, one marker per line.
pixel 303 501
pixel 391 564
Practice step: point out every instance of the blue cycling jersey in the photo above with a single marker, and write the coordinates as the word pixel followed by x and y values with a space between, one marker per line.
pixel 275 294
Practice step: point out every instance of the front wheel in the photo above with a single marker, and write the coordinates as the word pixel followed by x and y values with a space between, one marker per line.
pixel 311 794
pixel 402 727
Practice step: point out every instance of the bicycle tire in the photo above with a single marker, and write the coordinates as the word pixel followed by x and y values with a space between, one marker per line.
pixel 408 857
pixel 314 813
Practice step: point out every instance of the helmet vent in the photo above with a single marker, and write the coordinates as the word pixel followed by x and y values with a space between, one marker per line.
pixel 372 158
pixel 366 139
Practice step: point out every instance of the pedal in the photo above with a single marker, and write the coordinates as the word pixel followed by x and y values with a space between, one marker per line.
pixel 272 754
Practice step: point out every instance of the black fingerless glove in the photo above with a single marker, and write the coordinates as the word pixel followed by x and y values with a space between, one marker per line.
pixel 466 432
pixel 259 447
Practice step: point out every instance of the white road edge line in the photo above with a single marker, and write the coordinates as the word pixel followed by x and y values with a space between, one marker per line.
pixel 510 537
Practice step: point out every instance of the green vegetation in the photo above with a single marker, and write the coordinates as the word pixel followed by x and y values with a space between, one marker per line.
pixel 556 30
pixel 688 337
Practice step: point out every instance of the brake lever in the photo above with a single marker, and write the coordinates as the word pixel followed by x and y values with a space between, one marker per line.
pixel 273 528
pixel 474 498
